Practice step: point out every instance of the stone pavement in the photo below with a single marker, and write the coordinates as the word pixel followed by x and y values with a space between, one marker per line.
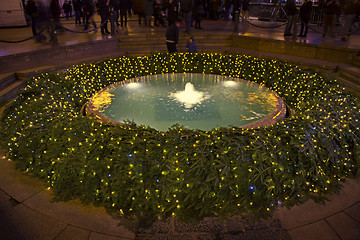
pixel 27 211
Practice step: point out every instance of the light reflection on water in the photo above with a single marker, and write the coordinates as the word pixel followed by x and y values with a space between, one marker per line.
pixel 149 101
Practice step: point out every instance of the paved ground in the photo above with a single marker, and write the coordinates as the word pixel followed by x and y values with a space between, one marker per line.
pixel 27 212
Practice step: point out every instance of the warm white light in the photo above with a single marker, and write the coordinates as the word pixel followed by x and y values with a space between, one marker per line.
pixel 133 85
pixel 189 96
pixel 230 83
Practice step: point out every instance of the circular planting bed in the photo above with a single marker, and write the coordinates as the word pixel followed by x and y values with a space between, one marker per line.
pixel 139 171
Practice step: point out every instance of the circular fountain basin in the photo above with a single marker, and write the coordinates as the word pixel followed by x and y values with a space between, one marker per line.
pixel 195 101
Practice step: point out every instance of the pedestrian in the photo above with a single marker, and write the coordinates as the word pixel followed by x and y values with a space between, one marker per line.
pixel 158 15
pixel 55 11
pixel 187 10
pixel 199 11
pixel 236 10
pixel 172 36
pixel 115 6
pixel 125 7
pixel 227 6
pixel 32 10
pixel 191 45
pixel 290 13
pixel 77 10
pixel 140 10
pixel 351 9
pixel 331 8
pixel 149 11
pixel 172 12
pixel 104 12
pixel 245 9
pixel 67 9
pixel 305 11
pixel 89 10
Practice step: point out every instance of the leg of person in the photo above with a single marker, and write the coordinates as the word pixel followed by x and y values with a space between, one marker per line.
pixel 326 24
pixel 188 21
pixel 301 30
pixel 306 27
pixel 332 26
pixel 171 47
pixel 288 26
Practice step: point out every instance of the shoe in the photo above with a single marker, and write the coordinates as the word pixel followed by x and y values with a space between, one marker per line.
pixel 287 34
pixel 186 32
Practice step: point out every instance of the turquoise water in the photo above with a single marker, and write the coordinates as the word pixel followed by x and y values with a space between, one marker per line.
pixel 150 101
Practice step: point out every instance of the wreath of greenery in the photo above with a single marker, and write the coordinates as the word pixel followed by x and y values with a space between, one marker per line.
pixel 138 171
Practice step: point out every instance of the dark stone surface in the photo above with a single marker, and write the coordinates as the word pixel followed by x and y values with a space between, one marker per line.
pixel 207 226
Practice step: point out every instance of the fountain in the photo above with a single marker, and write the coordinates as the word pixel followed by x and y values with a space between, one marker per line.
pixel 189 97
pixel 161 101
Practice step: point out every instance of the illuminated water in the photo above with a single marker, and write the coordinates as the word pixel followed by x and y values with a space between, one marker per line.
pixel 196 101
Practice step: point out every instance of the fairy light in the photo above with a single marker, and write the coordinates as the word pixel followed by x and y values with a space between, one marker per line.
pixel 131 166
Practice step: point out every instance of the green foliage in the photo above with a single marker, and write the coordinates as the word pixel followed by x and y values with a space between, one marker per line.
pixel 138 171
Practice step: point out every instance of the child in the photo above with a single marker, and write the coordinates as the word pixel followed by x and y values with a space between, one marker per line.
pixel 191 45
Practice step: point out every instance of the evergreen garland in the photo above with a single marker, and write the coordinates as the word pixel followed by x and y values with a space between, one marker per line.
pixel 138 171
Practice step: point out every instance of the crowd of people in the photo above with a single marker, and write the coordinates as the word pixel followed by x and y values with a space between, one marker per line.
pixel 350 9
pixel 169 12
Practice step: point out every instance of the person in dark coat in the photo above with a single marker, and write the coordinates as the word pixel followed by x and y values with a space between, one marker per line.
pixel 172 12
pixel 115 6
pixel 140 10
pixel 158 16
pixel 77 10
pixel 331 8
pixel 55 10
pixel 305 11
pixel 245 9
pixel 32 10
pixel 67 9
pixel 149 11
pixel 290 13
pixel 236 8
pixel 104 12
pixel 351 9
pixel 187 10
pixel 125 7
pixel 172 36
pixel 199 11
pixel 89 10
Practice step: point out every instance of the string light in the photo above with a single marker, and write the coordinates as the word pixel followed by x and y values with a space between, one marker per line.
pixel 132 168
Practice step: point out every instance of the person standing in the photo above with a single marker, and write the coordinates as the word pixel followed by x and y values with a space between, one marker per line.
pixel 172 36
pixel 77 10
pixel 351 9
pixel 125 6
pixel 199 11
pixel 172 12
pixel 187 10
pixel 115 6
pixel 149 11
pixel 89 10
pixel 67 9
pixel 331 8
pixel 104 12
pixel 227 6
pixel 140 10
pixel 32 11
pixel 55 11
pixel 236 9
pixel 290 13
pixel 245 9
pixel 305 11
